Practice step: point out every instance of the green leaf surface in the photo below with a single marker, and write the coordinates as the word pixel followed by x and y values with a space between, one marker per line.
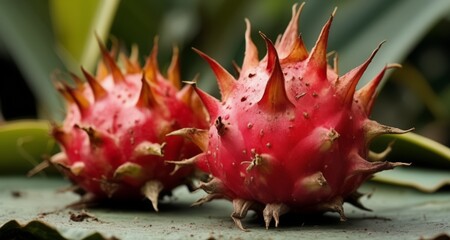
pixel 416 149
pixel 401 23
pixel 398 213
pixel 28 38
pixel 430 162
pixel 76 22
pixel 423 179
pixel 23 145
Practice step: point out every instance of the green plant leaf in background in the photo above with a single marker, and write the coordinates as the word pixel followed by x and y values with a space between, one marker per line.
pixel 430 169
pixel 27 36
pixel 401 23
pixel 75 23
pixel 23 145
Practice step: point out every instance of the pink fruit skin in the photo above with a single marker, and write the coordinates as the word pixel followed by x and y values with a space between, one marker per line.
pixel 289 134
pixel 113 138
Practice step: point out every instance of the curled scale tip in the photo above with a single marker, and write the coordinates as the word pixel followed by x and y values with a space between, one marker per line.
pixel 251 52
pixel 173 72
pixel 289 40
pixel 275 95
pixel 346 85
pixel 198 136
pixel 317 60
pixel 151 68
pixel 110 62
pixel 225 80
pixel 97 89
pixel 147 98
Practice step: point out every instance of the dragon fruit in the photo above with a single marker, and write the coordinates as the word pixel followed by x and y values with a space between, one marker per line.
pixel 113 138
pixel 290 134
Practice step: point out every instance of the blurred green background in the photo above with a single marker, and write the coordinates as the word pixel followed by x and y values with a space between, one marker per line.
pixel 38 37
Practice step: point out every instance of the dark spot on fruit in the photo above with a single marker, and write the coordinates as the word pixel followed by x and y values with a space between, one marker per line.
pixel 314 94
pixel 220 126
pixel 250 75
pixel 243 99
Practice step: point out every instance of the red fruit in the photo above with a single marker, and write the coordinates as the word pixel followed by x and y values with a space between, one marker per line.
pixel 289 134
pixel 113 139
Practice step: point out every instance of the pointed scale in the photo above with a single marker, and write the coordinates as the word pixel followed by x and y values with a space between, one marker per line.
pixel 110 63
pixel 131 64
pixel 275 96
pixel 151 68
pixel 173 72
pixel 102 71
pixel 251 52
pixel 211 104
pixel 367 94
pixel 151 190
pixel 346 85
pixel 225 80
pixel 79 84
pixel 80 87
pixel 373 129
pixel 188 95
pixel 146 98
pixel 360 166
pixel 60 135
pixel 95 137
pixel 78 97
pixel 298 52
pixel 198 136
pixel 102 68
pixel 97 89
pixel 185 94
pixel 317 60
pixel 60 87
pixel 290 40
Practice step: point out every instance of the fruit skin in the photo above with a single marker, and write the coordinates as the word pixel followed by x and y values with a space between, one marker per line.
pixel 113 138
pixel 289 134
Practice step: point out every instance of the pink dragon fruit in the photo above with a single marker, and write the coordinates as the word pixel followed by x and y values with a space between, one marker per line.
pixel 113 139
pixel 289 134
